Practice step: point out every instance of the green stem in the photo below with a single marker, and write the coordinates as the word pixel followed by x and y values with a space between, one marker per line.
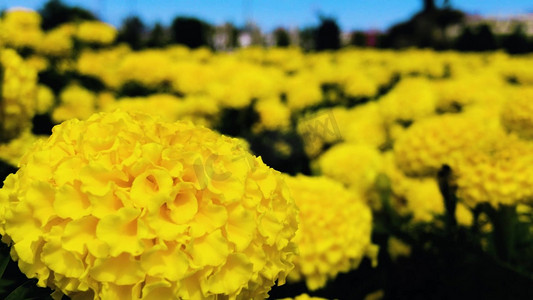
pixel 504 220
pixel 447 190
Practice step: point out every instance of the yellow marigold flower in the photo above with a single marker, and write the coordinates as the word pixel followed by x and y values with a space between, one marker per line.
pixel 304 297
pixel 518 68
pixel 331 240
pixel 359 84
pixel 37 62
pixel 125 206
pixel 13 151
pixel 411 99
pixel 151 68
pixel 359 125
pixel 19 91
pixel 355 165
pixel 424 199
pixel 397 248
pixel 363 124
pixel 197 109
pixel 517 113
pixel 21 28
pixel 273 114
pixel 320 128
pixel 75 102
pixel 58 41
pixel 302 91
pixel 460 91
pixel 427 144
pixel 96 32
pixel 45 99
pixel 105 64
pixel 501 174
pixel 419 197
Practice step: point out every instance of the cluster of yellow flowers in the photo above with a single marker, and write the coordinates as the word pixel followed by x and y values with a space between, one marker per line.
pixel 18 94
pixel 21 28
pixel 128 207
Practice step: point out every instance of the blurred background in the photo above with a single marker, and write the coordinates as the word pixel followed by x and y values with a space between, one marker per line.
pixel 466 25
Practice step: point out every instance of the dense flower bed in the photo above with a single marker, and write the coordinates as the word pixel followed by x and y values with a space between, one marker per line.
pixel 380 148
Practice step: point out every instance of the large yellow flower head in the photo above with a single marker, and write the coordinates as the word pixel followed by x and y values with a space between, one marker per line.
pixel 502 174
pixel 18 94
pixel 331 240
pixel 427 144
pixel 124 206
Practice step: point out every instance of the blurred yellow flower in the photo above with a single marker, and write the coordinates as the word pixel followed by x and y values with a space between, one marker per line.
pixel 13 151
pixel 428 144
pixel 355 165
pixel 331 240
pixel 96 32
pixel 273 114
pixel 21 28
pixel 19 93
pixel 45 99
pixel 411 99
pixel 501 174
pixel 75 102
pixel 517 113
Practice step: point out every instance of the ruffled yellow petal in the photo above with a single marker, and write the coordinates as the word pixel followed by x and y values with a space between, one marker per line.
pixel 209 250
pixel 119 232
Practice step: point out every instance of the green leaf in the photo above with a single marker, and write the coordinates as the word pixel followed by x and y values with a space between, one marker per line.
pixel 4 260
pixel 28 290
pixel 21 292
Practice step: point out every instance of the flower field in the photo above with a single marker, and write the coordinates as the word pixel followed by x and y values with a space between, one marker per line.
pixel 173 173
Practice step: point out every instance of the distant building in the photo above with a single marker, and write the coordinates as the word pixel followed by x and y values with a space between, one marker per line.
pixel 503 24
pixel 250 36
pixel 224 37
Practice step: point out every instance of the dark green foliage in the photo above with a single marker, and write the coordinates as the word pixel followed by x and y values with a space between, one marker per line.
pixel 425 29
pixel 55 13
pixel 191 32
pixel 53 79
pixel 295 162
pixel 157 38
pixel 42 124
pixel 135 89
pixel 237 122
pixel 480 38
pixel 307 38
pixel 57 80
pixel 517 42
pixel 358 38
pixel 131 32
pixel 13 284
pixel 327 35
pixel 282 38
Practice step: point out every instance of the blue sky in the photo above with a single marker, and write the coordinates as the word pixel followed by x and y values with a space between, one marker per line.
pixel 269 14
